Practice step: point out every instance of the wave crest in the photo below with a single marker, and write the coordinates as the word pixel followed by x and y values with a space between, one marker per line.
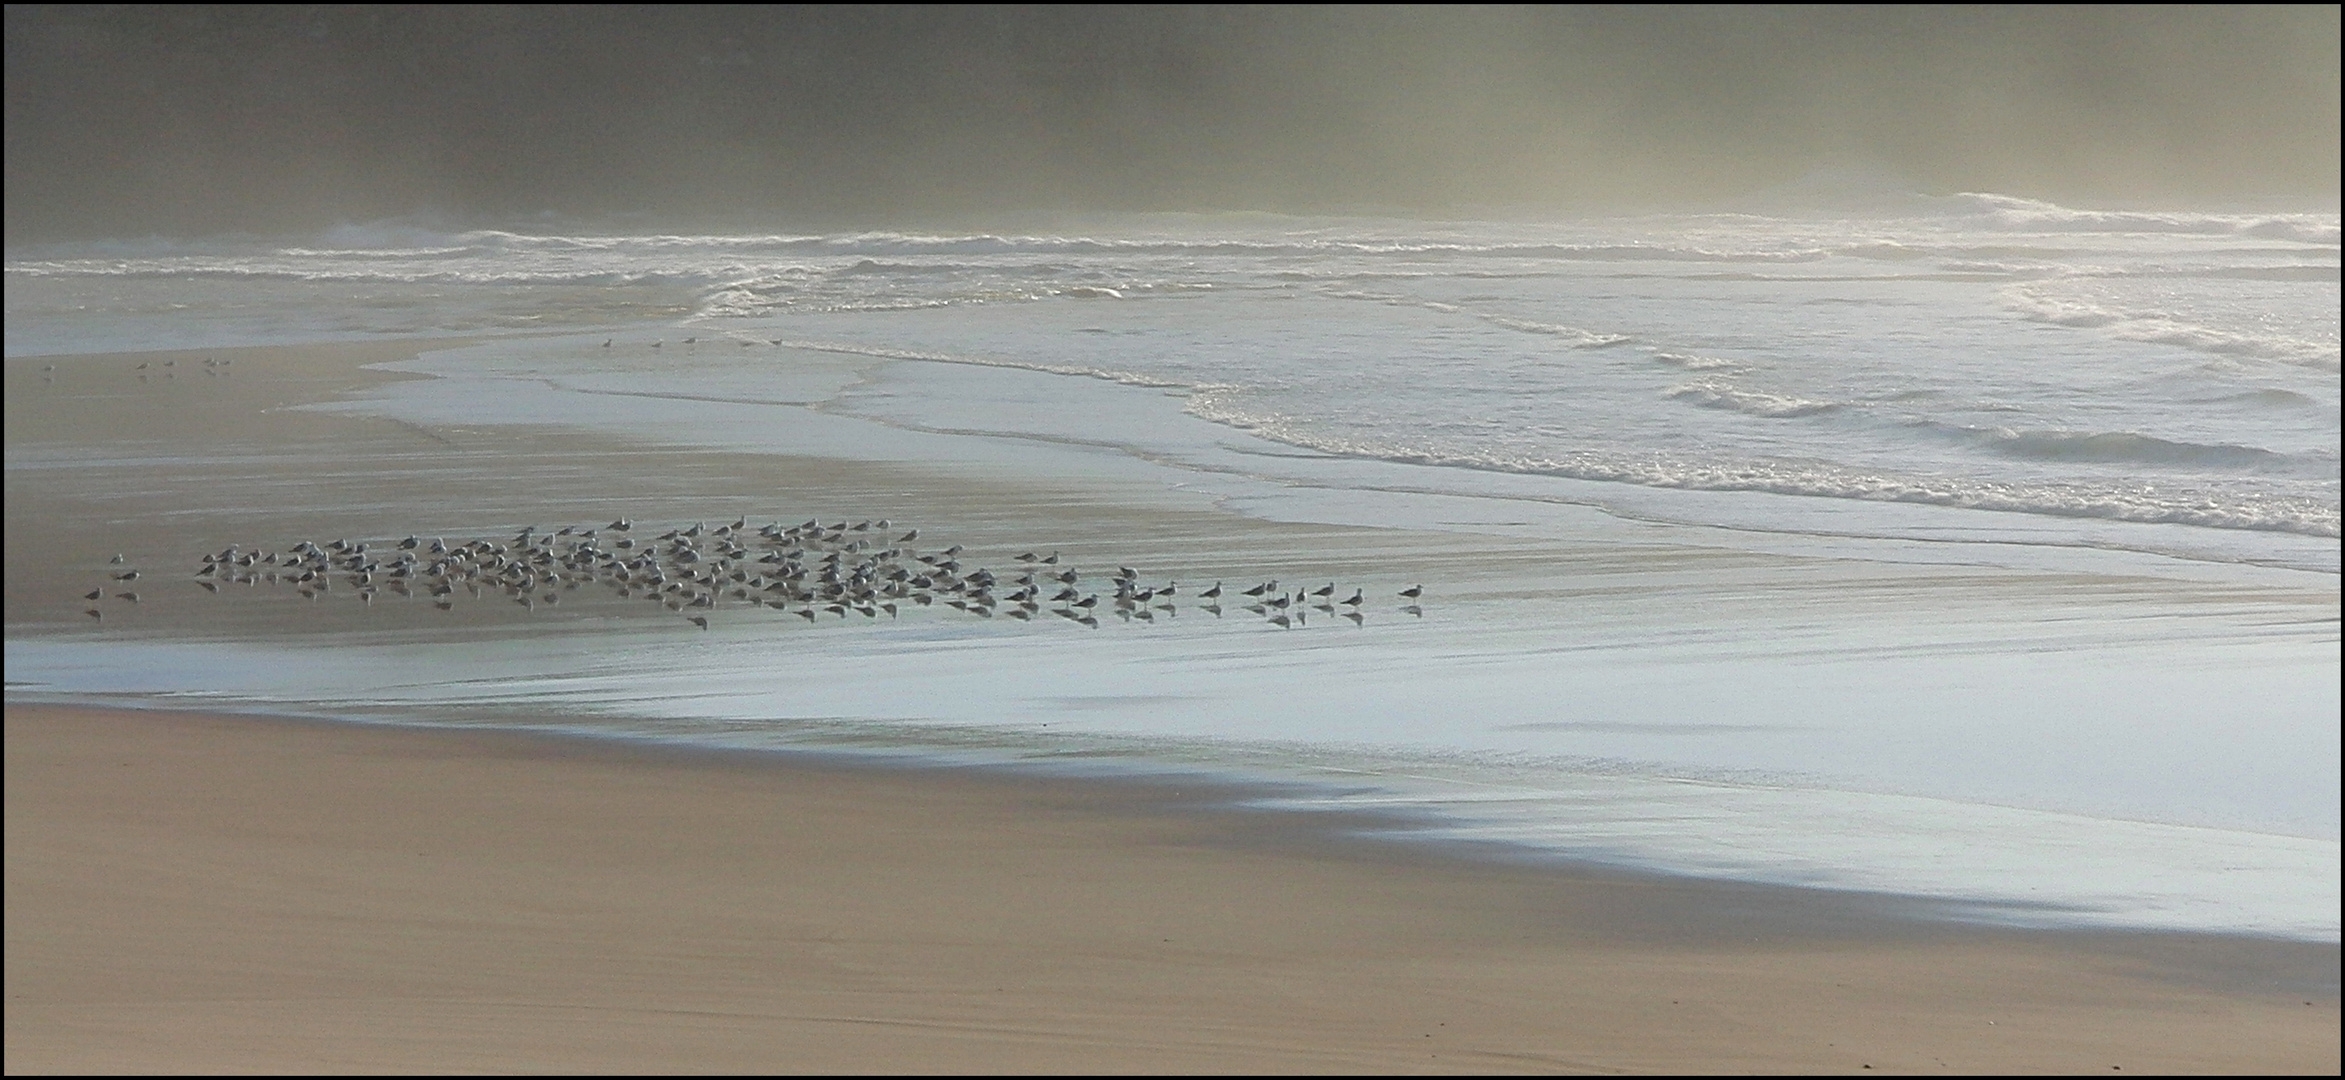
pixel 2123 447
pixel 1720 394
pixel 2258 512
pixel 2162 329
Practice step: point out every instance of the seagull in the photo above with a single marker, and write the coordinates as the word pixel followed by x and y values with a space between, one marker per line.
pixel 1413 591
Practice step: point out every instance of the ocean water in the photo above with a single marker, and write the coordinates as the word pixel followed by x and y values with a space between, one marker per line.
pixel 1975 548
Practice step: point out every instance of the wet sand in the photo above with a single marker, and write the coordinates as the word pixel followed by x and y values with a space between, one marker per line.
pixel 210 893
pixel 188 892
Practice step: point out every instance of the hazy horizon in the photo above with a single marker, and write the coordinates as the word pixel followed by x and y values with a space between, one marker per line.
pixel 126 121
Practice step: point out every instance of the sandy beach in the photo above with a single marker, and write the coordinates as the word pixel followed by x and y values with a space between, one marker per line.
pixel 1177 539
pixel 213 892
pixel 207 893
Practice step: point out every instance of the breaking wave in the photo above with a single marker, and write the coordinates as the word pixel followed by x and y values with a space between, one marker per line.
pixel 2013 214
pixel 2135 503
pixel 2164 329
pixel 1720 394
pixel 2125 447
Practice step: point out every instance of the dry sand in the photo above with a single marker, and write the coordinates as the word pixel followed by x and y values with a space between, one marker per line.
pixel 207 893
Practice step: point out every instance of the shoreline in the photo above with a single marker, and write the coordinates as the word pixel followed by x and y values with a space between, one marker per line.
pixel 1590 634
pixel 549 892
pixel 1156 784
pixel 191 886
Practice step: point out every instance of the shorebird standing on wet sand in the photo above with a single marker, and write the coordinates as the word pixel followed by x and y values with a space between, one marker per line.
pixel 836 567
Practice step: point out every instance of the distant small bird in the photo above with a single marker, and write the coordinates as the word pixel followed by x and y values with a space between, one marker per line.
pixel 94 594
pixel 700 621
pixel 1413 591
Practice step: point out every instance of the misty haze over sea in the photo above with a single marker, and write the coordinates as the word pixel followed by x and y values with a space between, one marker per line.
pixel 1887 449
pixel 198 120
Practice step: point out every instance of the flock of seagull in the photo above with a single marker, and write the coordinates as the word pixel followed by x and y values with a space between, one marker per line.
pixel 811 570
